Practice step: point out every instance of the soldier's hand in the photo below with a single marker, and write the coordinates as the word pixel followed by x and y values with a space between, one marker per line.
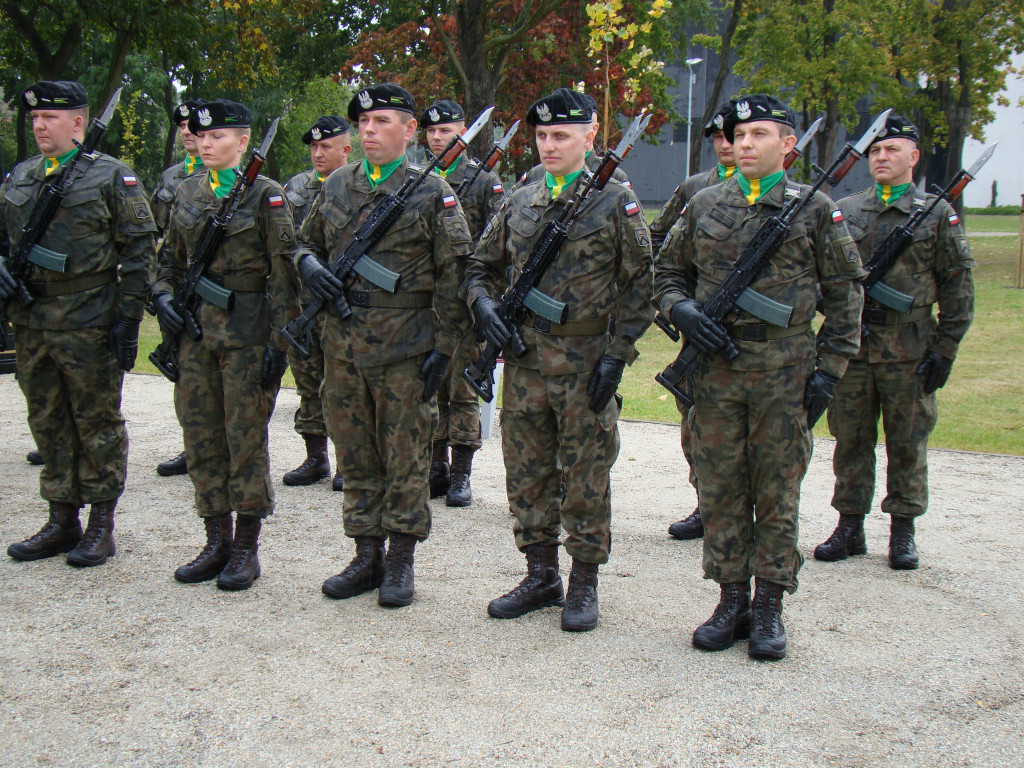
pixel 432 372
pixel 171 322
pixel 604 381
pixel 699 329
pixel 818 393
pixel 319 279
pixel 934 371
pixel 124 342
pixel 489 325
pixel 8 287
pixel 275 362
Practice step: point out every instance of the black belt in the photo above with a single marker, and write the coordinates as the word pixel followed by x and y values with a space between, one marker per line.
pixel 592 327
pixel 74 285
pixel 882 316
pixel 385 300
pixel 766 331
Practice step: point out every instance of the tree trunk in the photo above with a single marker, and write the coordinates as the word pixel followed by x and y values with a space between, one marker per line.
pixel 724 68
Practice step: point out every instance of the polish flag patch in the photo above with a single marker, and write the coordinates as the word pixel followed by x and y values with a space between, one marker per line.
pixel 449 201
pixel 954 220
pixel 130 181
pixel 627 185
pixel 632 209
pixel 275 201
pixel 837 216
pixel 497 189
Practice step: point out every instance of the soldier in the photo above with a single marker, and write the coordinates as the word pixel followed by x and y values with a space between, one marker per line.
pixel 81 333
pixel 229 378
pixel 560 409
pixel 384 363
pixel 161 202
pixel 752 416
pixel 330 142
pixel 691 527
pixel 903 358
pixel 457 404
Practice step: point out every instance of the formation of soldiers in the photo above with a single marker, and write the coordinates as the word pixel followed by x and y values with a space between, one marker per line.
pixel 383 381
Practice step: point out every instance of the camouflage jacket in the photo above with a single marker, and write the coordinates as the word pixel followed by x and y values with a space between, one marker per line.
pixel 593 160
pixel 670 211
pixel 301 191
pixel 705 243
pixel 254 256
pixel 935 267
pixel 104 225
pixel 603 270
pixel 163 195
pixel 424 246
pixel 481 200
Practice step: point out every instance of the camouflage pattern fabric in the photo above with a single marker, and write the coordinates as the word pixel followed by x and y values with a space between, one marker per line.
pixel 882 379
pixel 301 191
pixel 163 196
pixel 674 207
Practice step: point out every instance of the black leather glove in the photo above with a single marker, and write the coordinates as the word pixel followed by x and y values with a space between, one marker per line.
pixel 604 381
pixel 319 279
pixel 8 287
pixel 934 371
pixel 489 324
pixel 818 393
pixel 124 342
pixel 432 372
pixel 699 329
pixel 275 363
pixel 171 322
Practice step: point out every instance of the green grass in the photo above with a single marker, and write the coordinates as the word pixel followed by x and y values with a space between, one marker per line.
pixel 979 223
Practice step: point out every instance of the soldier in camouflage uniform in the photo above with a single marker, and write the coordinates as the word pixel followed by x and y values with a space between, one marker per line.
pixel 384 363
pixel 560 411
pixel 329 140
pixel 82 330
pixel 228 380
pixel 691 527
pixel 457 403
pixel 903 358
pixel 752 417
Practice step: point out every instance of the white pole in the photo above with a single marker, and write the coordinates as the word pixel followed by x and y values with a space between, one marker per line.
pixel 689 102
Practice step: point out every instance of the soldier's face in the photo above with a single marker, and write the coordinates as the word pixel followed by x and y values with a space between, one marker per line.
pixel 892 161
pixel 563 148
pixel 328 155
pixel 188 139
pixel 54 130
pixel 760 148
pixel 438 136
pixel 222 148
pixel 723 149
pixel 385 133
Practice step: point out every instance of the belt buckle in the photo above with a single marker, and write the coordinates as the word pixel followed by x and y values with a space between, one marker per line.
pixel 755 332
pixel 360 298
pixel 542 324
pixel 875 315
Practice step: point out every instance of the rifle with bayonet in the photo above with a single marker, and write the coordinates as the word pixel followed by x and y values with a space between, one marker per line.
pixel 354 257
pixel 735 292
pixel 889 250
pixel 29 252
pixel 523 297
pixel 195 285
pixel 489 163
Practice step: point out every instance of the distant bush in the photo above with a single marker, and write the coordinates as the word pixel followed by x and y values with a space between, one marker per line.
pixel 998 210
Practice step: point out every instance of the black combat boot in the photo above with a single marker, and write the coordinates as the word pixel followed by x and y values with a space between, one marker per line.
pixel 215 554
pixel 767 635
pixel 541 587
pixel 580 611
pixel 440 470
pixel 62 532
pixel 317 465
pixel 397 587
pixel 460 493
pixel 35 458
pixel 365 572
pixel 175 466
pixel 98 542
pixel 847 539
pixel 902 549
pixel 691 527
pixel 243 567
pixel 337 483
pixel 730 621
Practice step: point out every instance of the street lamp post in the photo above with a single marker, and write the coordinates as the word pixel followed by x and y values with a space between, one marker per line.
pixel 689 101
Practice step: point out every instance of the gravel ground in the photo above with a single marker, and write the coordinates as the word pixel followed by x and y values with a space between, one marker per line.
pixel 120 665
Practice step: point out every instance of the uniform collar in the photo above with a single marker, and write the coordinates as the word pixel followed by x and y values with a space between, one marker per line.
pixel 733 195
pixel 391 184
pixel 903 204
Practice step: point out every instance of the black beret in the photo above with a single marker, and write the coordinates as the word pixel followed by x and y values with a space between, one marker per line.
pixel 562 106
pixel 62 94
pixel 184 110
pixel 381 96
pixel 719 119
pixel 441 112
pixel 760 106
pixel 324 128
pixel 219 113
pixel 898 127
pixel 591 101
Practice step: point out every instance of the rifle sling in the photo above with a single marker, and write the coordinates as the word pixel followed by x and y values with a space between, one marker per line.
pixel 766 332
pixel 879 316
pixel 74 285
pixel 385 300
pixel 592 327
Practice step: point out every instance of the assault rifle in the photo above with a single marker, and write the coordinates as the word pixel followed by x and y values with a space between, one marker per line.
pixel 28 250
pixel 490 162
pixel 354 258
pixel 889 250
pixel 195 285
pixel 524 297
pixel 677 378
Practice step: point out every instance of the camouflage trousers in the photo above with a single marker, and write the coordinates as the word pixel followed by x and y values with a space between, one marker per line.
pixel 752 447
pixel 382 431
pixel 309 375
pixel 72 386
pixel 893 391
pixel 224 410
pixel 458 407
pixel 548 431
pixel 686 439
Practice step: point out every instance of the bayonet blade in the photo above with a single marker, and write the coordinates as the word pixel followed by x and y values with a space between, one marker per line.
pixel 474 129
pixel 985 156
pixel 503 144
pixel 108 113
pixel 636 128
pixel 810 134
pixel 876 128
pixel 269 138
